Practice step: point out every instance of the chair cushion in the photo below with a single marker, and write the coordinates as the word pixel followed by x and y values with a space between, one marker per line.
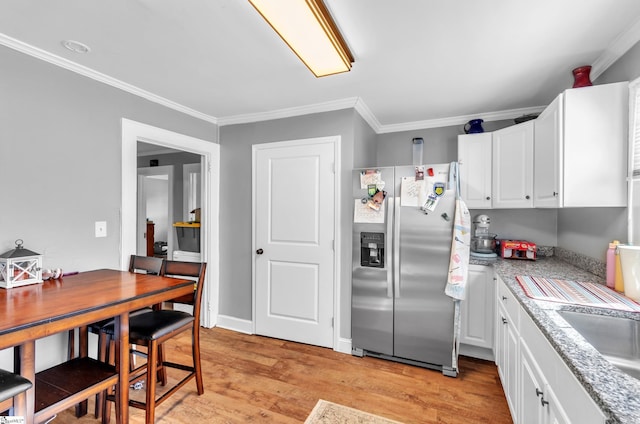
pixel 106 325
pixel 12 384
pixel 156 324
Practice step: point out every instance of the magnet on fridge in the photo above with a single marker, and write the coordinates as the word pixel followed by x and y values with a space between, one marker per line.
pixel 419 173
pixel 431 203
pixel 430 172
pixel 439 189
pixel 371 189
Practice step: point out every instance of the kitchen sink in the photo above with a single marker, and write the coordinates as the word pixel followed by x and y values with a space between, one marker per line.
pixel 616 338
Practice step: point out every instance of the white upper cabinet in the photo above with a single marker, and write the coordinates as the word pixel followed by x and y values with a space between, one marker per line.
pixel 581 148
pixel 512 153
pixel 474 157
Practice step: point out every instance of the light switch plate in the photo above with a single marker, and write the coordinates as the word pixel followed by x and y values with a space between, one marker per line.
pixel 101 228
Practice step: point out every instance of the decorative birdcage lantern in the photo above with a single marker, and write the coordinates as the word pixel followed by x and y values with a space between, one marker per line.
pixel 19 267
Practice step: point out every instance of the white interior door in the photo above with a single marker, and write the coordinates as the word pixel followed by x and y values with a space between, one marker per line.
pixel 294 218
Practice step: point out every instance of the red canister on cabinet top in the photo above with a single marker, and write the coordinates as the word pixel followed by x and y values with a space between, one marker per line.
pixel 518 249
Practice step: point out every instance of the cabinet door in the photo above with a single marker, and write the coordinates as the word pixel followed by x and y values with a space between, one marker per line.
pixel 474 157
pixel 477 312
pixel 512 359
pixel 532 387
pixel 553 412
pixel 595 145
pixel 507 357
pixel 512 152
pixel 547 163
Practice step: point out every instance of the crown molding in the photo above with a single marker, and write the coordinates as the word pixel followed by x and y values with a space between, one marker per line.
pixel 616 49
pixel 459 120
pixel 289 112
pixel 38 53
pixel 366 114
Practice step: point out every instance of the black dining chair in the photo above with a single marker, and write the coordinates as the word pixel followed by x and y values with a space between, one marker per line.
pixel 140 264
pixel 13 391
pixel 152 329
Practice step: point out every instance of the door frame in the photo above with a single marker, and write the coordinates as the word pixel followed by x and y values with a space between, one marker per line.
pixel 132 132
pixel 337 143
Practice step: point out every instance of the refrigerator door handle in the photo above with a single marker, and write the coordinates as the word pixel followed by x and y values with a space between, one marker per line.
pixel 390 276
pixel 396 246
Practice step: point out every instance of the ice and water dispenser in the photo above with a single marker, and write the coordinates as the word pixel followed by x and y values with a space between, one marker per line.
pixel 372 250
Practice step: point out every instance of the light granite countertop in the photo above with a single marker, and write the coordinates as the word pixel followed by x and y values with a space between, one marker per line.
pixel 616 393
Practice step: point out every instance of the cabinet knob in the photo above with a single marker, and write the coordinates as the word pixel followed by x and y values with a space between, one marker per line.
pixel 259 251
pixel 555 194
pixel 527 197
pixel 538 392
pixel 504 320
pixel 504 297
pixel 488 198
pixel 543 402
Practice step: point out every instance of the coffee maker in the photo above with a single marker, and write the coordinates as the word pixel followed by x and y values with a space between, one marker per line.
pixel 483 243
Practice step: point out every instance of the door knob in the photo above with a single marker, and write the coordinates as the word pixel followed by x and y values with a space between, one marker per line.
pixel 259 251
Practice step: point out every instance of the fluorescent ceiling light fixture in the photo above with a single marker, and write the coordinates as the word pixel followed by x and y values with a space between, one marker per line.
pixel 308 29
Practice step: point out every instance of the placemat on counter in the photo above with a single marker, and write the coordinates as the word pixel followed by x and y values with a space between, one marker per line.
pixel 575 292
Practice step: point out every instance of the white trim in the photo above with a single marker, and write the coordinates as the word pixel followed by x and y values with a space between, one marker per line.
pixel 132 132
pixel 634 92
pixel 46 56
pixel 366 114
pixel 343 346
pixel 235 324
pixel 289 112
pixel 614 51
pixel 459 120
pixel 337 297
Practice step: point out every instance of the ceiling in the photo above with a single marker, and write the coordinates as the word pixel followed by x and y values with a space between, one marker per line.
pixel 418 63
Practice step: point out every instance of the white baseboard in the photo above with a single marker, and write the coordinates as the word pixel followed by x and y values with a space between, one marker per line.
pixel 477 352
pixel 343 346
pixel 235 324
pixel 246 327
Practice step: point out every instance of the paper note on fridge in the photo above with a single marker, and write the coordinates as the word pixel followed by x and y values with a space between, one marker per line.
pixel 363 214
pixel 412 192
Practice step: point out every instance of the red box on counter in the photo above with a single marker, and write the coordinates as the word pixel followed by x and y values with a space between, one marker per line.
pixel 518 249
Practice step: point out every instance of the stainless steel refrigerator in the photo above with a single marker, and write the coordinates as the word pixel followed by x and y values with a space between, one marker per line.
pixel 402 230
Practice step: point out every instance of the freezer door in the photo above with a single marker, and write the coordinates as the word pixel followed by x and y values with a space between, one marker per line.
pixel 424 315
pixel 371 282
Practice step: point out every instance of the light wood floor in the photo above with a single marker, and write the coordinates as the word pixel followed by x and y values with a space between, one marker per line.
pixel 253 379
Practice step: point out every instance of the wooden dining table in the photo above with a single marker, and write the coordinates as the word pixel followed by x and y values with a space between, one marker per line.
pixel 36 311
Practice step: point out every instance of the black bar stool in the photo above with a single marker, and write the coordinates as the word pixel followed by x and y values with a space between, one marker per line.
pixel 13 389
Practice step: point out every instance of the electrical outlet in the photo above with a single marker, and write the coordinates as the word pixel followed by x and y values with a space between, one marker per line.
pixel 101 228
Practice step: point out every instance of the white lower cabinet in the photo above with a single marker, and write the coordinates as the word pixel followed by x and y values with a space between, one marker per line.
pixel 538 402
pixel 538 385
pixel 506 348
pixel 477 314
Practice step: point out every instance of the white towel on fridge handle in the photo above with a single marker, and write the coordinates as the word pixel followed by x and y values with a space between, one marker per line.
pixel 460 246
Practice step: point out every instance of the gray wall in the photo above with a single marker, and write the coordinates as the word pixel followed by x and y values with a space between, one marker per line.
pixel 60 147
pixel 236 255
pixel 589 230
pixel 440 144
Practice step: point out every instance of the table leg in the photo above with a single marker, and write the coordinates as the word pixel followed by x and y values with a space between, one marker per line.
pixel 122 366
pixel 27 368
pixel 83 352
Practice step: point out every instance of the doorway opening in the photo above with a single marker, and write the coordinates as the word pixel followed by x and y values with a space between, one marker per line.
pixel 209 154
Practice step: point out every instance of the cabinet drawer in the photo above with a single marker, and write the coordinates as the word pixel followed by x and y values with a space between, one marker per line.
pixel 508 302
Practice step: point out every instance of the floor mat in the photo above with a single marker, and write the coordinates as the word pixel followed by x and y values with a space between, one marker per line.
pixel 575 292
